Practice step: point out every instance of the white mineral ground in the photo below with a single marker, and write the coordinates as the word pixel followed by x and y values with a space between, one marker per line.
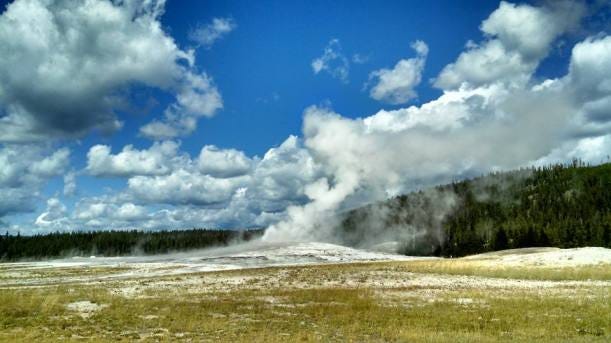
pixel 259 254
pixel 547 257
pixel 255 254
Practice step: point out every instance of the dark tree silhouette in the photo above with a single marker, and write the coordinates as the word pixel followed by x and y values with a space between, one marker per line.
pixel 114 243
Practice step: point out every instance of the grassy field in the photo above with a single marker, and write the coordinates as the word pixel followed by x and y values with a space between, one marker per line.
pixel 422 301
pixel 477 268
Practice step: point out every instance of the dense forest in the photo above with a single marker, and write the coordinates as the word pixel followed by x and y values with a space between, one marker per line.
pixel 115 243
pixel 561 205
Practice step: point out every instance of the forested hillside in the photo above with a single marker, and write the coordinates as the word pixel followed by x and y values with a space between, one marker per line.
pixel 562 206
pixel 115 243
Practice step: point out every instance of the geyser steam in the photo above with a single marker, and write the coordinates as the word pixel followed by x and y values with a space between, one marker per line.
pixel 479 124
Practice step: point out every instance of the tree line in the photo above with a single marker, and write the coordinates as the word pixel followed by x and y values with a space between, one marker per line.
pixel 115 243
pixel 559 205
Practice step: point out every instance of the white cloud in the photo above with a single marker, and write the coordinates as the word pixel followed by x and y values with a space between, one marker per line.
pixel 217 176
pixel 24 171
pixel 483 65
pixel 183 187
pixel 281 176
pixel 168 189
pixel 448 111
pixel 198 97
pixel 157 160
pixel 333 62
pixel 518 37
pixel 30 164
pixel 523 28
pixel 129 211
pixel 52 165
pixel 70 183
pixel 223 163
pixel 105 213
pixel 54 216
pixel 360 58
pixel 589 87
pixel 170 128
pixel 396 86
pixel 65 65
pixel 207 35
pixel 162 174
pixel 92 210
pixel 590 67
pixel 592 150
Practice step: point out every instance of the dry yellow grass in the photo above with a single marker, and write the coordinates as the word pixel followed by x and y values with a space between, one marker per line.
pixel 351 302
pixel 484 268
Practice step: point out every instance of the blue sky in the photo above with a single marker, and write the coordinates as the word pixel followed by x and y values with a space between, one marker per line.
pixel 251 86
pixel 271 50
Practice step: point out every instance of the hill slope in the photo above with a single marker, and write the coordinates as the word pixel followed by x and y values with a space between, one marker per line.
pixel 562 206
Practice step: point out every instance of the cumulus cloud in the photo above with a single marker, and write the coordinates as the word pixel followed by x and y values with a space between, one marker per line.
pixel 105 213
pixel 98 208
pixel 25 169
pixel 65 64
pixel 183 187
pixel 156 160
pixel 396 86
pixel 207 35
pixel 129 211
pixel 518 37
pixel 589 87
pixel 29 164
pixel 590 66
pixel 115 213
pixel 51 165
pixel 223 163
pixel 281 176
pixel 217 176
pixel 333 61
pixel 197 97
pixel 162 174
pixel 592 150
pixel 70 183
pixel 167 188
pixel 53 216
